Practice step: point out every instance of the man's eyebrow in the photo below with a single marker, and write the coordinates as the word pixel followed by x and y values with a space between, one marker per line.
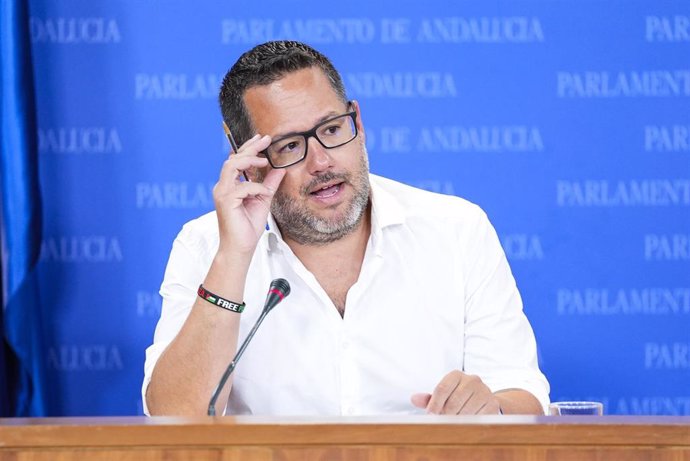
pixel 326 116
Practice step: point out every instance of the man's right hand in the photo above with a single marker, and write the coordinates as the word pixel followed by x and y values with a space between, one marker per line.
pixel 189 369
pixel 243 206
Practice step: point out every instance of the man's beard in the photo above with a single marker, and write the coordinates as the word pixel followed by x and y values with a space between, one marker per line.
pixel 299 224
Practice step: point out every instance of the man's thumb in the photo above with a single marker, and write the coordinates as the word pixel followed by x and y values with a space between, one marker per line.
pixel 420 400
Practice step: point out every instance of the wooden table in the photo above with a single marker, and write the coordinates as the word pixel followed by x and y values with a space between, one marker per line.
pixel 420 438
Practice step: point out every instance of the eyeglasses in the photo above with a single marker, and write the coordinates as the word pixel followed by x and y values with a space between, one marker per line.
pixel 331 133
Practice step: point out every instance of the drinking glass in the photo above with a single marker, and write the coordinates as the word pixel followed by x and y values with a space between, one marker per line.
pixel 576 408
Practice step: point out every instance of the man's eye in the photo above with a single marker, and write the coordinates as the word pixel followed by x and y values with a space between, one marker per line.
pixel 332 129
pixel 289 147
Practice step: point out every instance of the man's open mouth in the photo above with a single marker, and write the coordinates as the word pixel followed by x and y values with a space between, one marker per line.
pixel 328 190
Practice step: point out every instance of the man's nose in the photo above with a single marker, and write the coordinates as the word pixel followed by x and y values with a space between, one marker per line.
pixel 318 157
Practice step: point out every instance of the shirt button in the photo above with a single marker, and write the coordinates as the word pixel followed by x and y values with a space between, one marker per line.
pixel 346 344
pixel 350 411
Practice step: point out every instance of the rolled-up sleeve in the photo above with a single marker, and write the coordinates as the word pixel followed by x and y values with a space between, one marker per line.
pixel 500 346
pixel 183 275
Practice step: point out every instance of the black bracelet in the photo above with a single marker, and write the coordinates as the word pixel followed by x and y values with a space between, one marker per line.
pixel 218 301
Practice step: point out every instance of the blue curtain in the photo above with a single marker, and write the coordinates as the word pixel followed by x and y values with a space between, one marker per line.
pixel 21 356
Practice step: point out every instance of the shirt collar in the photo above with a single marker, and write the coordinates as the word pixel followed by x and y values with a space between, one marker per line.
pixel 272 237
pixel 385 211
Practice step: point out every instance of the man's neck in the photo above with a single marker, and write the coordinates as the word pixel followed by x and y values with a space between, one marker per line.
pixel 336 265
pixel 351 247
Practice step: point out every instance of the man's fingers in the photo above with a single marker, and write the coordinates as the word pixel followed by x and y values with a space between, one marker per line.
pixel 490 408
pixel 473 404
pixel 443 391
pixel 233 167
pixel 274 177
pixel 252 189
pixel 244 163
pixel 241 192
pixel 253 146
pixel 457 401
pixel 479 395
pixel 420 400
pixel 245 158
pixel 249 142
pixel 460 394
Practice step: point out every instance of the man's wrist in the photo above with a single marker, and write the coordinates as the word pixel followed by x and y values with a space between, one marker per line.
pixel 231 259
pixel 219 301
pixel 227 275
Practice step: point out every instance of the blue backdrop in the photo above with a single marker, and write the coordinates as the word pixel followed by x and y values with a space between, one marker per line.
pixel 567 121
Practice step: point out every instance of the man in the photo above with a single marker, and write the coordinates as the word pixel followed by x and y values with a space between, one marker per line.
pixel 402 300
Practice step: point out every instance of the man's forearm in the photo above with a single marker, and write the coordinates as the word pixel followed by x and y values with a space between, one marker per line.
pixel 518 402
pixel 188 371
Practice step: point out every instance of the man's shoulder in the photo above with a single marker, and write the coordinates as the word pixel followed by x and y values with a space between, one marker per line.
pixel 423 203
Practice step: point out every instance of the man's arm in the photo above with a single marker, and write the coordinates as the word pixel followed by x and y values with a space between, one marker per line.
pixel 188 371
pixel 500 350
pixel 461 394
pixel 518 402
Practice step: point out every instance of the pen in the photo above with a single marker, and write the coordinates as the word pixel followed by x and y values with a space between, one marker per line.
pixel 233 144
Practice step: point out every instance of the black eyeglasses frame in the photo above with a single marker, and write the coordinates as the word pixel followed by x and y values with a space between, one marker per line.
pixel 312 134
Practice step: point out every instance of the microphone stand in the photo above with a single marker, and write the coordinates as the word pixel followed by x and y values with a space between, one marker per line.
pixel 278 290
pixel 231 367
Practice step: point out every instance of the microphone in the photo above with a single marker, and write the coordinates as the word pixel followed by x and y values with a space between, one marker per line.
pixel 278 291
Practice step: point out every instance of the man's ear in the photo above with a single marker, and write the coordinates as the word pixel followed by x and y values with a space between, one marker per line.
pixel 358 121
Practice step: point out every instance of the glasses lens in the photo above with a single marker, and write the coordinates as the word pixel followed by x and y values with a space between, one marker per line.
pixel 287 150
pixel 337 131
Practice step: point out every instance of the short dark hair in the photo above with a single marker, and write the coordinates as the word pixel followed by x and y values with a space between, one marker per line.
pixel 262 65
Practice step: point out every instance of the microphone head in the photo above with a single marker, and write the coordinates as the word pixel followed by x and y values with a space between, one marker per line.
pixel 278 290
pixel 282 286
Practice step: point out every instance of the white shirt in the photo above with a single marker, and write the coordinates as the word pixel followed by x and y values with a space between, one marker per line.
pixel 435 294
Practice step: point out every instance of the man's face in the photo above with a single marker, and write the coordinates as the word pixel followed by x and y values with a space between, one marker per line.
pixel 324 197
